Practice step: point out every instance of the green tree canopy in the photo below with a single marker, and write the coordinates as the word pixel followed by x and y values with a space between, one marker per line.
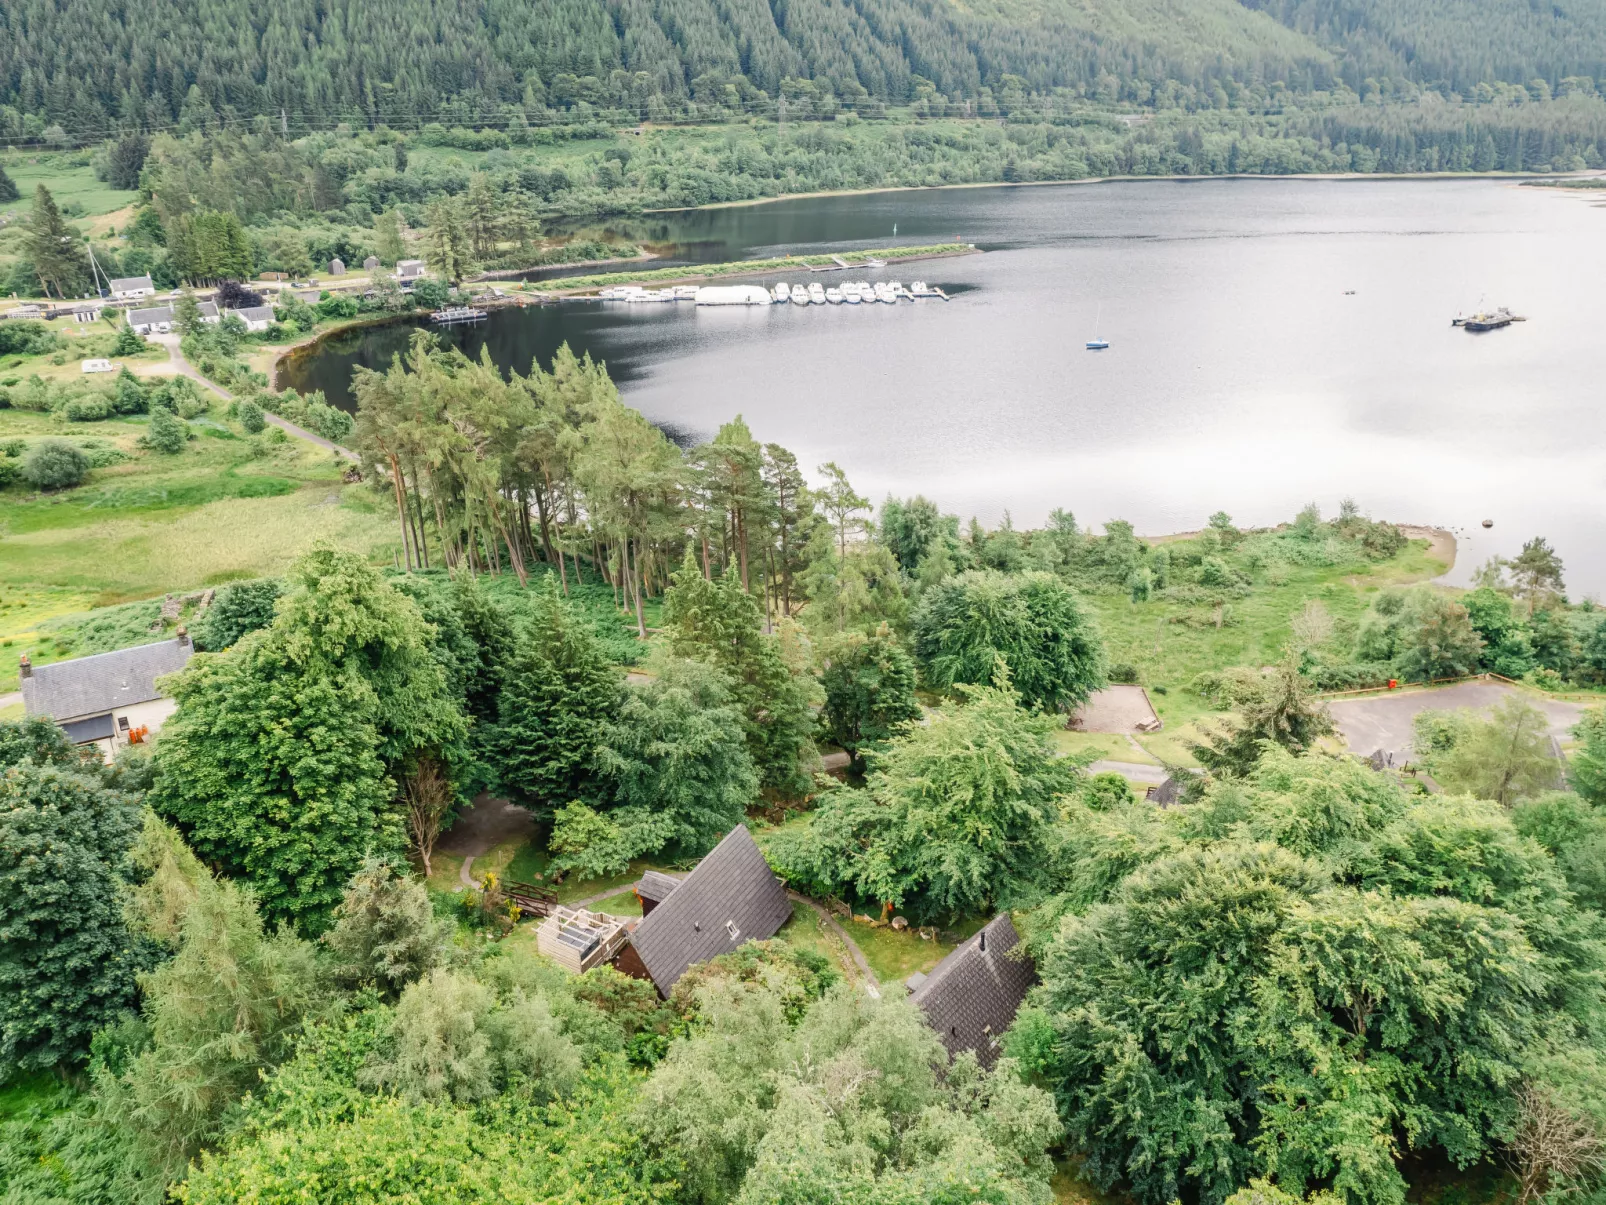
pixel 1032 621
pixel 67 959
pixel 278 764
pixel 869 686
pixel 1305 975
pixel 956 815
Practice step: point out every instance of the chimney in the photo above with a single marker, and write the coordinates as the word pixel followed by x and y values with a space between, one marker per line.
pixel 183 636
pixel 983 942
pixel 25 669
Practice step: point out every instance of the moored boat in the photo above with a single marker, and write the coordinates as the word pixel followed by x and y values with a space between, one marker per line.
pixel 816 294
pixel 800 296
pixel 833 296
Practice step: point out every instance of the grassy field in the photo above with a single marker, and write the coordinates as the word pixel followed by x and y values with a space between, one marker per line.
pixel 70 179
pixel 224 509
pixel 1171 644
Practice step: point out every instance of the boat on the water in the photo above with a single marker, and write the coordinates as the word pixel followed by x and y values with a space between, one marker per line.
pixel 457 313
pixel 685 292
pixel 833 296
pixel 800 296
pixel 816 294
pixel 1098 343
pixel 1492 320
pixel 782 293
pixel 850 292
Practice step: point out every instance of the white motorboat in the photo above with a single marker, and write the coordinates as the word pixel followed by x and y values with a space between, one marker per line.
pixel 782 293
pixel 899 293
pixel 653 296
pixel 816 294
pixel 884 293
pixel 685 292
pixel 850 293
pixel 921 289
pixel 800 296
pixel 833 296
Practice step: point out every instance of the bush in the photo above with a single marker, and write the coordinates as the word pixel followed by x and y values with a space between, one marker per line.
pixel 92 409
pixel 128 343
pixel 338 307
pixel 167 433
pixel 251 419
pixel 54 464
pixel 1123 671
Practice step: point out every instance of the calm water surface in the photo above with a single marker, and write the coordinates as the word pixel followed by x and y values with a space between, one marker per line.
pixel 1243 375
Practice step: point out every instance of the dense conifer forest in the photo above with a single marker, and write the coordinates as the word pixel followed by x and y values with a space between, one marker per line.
pixel 77 70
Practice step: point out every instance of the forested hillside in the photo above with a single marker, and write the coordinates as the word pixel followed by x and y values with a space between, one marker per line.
pixel 73 70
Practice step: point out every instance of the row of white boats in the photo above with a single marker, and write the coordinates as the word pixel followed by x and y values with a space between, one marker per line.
pixel 848 293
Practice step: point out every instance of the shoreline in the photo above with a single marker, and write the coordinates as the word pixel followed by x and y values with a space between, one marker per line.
pixel 1441 542
pixel 544 292
pixel 1298 176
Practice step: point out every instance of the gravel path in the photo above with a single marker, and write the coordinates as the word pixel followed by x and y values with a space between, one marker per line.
pixel 185 368
pixel 1384 721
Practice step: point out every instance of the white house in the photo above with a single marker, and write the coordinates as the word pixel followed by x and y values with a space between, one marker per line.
pixel 131 288
pixel 99 366
pixel 157 320
pixel 108 700
pixel 256 317
pixel 209 312
pixel 409 269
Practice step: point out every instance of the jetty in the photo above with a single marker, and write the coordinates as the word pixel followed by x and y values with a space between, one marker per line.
pixel 458 313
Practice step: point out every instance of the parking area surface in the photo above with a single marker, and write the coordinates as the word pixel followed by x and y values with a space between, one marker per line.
pixel 1116 708
pixel 1384 721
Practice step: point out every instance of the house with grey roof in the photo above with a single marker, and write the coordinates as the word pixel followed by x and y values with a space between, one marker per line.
pixel 132 288
pixel 971 997
pixel 256 317
pixel 110 699
pixel 409 269
pixel 156 320
pixel 209 312
pixel 732 897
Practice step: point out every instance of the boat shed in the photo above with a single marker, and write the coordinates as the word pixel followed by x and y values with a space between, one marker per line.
pixel 654 889
pixel 733 295
pixel 972 996
pixel 732 897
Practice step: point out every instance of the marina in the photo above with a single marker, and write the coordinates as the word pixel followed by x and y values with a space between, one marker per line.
pixel 849 292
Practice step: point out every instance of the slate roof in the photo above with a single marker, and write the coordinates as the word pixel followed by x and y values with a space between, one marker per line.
pixel 254 313
pixel 150 317
pixel 86 686
pixel 656 886
pixel 1167 793
pixel 732 897
pixel 972 996
pixel 127 284
pixel 207 309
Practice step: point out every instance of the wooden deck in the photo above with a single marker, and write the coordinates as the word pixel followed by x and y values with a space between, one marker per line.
pixel 578 940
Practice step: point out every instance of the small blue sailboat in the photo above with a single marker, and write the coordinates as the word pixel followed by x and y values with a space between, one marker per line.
pixel 1096 343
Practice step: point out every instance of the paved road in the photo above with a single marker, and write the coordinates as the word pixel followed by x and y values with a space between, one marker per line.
pixel 1384 721
pixel 185 368
pixel 1130 770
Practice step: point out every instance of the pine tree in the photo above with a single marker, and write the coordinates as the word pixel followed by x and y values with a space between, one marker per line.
pixel 446 241
pixel 54 247
pixel 8 187
pixel 560 693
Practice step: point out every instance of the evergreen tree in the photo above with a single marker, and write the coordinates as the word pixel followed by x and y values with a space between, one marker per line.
pixel 128 342
pixel 8 187
pixel 448 248
pixel 54 248
pixel 559 694
pixel 715 620
pixel 67 960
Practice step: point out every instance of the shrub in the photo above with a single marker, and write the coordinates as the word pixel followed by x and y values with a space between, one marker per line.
pixel 54 464
pixel 167 433
pixel 251 419
pixel 1123 671
pixel 90 409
